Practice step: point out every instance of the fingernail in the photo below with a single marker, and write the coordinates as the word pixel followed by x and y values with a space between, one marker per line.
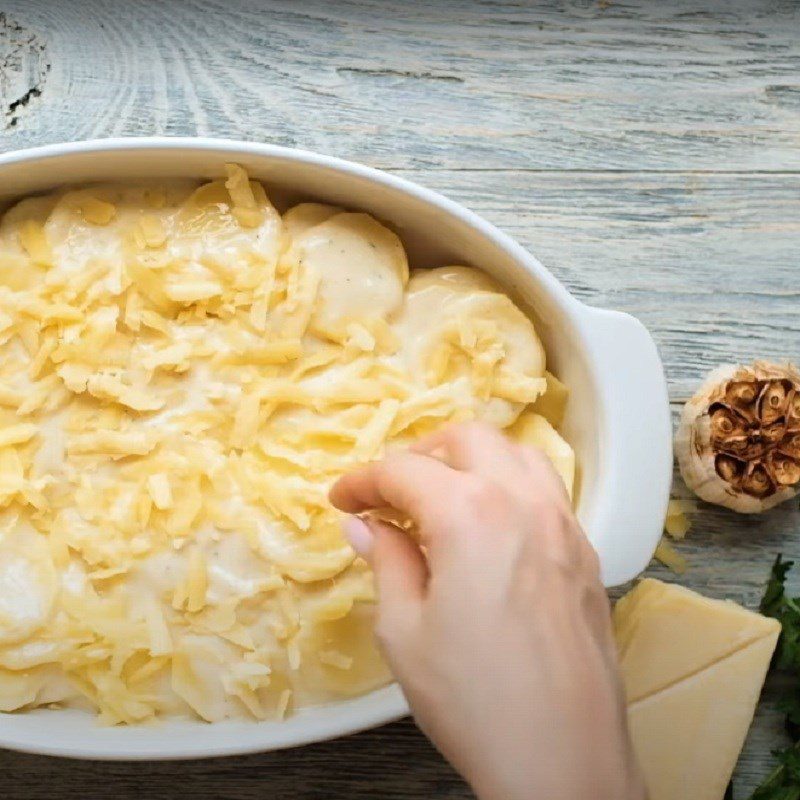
pixel 358 534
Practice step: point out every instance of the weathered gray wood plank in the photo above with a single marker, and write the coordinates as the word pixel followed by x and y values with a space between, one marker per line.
pixel 681 85
pixel 395 762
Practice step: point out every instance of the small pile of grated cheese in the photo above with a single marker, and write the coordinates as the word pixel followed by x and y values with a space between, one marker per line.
pixel 184 373
pixel 676 525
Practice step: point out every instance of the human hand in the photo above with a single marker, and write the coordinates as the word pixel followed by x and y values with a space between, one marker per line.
pixel 499 629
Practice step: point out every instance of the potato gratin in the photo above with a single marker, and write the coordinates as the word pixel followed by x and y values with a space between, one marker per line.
pixel 184 373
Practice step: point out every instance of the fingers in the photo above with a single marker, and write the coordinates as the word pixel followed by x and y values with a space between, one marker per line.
pixel 408 482
pixel 359 535
pixel 472 447
pixel 486 452
pixel 542 475
pixel 401 573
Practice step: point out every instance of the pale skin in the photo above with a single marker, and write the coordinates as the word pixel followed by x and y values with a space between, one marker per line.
pixel 498 627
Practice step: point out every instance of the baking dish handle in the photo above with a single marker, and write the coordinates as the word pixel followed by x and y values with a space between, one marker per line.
pixel 635 470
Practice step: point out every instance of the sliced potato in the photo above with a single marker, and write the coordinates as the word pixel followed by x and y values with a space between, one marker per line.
pixel 457 323
pixel 535 431
pixel 553 403
pixel 361 264
pixel 298 219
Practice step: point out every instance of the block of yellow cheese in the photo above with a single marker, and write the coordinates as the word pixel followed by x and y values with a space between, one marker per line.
pixel 693 670
pixel 665 632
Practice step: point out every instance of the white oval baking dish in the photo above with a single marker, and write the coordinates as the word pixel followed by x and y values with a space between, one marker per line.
pixel 617 419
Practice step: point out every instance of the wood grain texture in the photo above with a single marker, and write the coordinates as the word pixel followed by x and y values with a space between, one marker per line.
pixel 647 153
pixel 578 84
pixel 395 762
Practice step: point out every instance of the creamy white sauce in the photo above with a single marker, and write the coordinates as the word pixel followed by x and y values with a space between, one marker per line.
pixel 282 583
pixel 361 264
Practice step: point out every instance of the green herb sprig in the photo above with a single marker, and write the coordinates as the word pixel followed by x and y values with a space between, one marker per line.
pixel 783 783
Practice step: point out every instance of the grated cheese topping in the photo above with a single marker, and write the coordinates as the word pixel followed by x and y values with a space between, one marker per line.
pixel 184 373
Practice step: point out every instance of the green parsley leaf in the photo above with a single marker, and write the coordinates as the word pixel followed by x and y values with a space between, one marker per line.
pixel 774 594
pixel 776 603
pixel 783 783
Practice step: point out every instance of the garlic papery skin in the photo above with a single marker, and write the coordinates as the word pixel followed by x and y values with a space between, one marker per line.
pixel 738 442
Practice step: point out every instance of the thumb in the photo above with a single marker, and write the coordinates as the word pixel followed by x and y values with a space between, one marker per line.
pixel 401 572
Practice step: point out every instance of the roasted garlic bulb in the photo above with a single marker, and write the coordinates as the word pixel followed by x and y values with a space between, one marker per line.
pixel 738 444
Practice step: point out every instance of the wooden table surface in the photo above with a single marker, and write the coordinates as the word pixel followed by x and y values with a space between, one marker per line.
pixel 648 153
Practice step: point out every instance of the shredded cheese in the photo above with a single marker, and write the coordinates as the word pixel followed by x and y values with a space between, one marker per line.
pixel 677 523
pixel 183 375
pixel 33 238
pixel 98 212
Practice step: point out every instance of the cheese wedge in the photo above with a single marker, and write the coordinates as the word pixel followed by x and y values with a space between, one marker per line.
pixel 693 670
pixel 665 632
